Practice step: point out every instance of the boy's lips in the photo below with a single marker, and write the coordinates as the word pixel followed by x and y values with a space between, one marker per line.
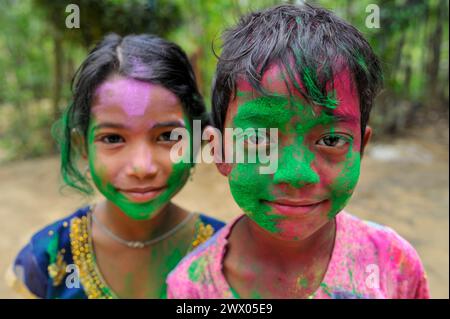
pixel 141 194
pixel 294 207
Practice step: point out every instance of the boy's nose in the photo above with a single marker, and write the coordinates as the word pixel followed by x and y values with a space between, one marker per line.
pixel 142 163
pixel 295 168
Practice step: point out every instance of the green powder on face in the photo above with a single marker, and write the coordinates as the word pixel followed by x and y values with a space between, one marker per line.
pixel 250 188
pixel 296 167
pixel 271 112
pixel 138 211
pixel 346 182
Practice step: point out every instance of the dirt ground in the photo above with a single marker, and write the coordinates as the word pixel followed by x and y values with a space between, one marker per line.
pixel 404 184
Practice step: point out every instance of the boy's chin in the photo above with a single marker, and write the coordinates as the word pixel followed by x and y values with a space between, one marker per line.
pixel 291 231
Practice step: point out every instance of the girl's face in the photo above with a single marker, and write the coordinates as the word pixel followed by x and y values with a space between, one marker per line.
pixel 318 155
pixel 129 145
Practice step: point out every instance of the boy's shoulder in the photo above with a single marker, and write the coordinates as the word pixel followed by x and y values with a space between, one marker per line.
pixel 367 247
pixel 364 232
pixel 201 270
pixel 41 262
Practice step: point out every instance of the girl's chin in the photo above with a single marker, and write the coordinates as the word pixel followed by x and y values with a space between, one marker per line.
pixel 141 197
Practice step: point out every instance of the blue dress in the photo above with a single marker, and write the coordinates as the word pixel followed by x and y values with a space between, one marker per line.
pixel 59 260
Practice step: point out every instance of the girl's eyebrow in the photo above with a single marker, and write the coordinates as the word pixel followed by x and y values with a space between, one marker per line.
pixel 168 124
pixel 123 126
pixel 109 125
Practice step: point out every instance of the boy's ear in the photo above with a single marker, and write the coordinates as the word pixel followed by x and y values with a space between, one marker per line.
pixel 79 142
pixel 224 168
pixel 215 140
pixel 366 138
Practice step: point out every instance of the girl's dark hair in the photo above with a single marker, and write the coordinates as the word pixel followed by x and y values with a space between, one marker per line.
pixel 309 43
pixel 142 57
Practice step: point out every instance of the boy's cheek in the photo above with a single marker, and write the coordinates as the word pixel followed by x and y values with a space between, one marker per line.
pixel 249 187
pixel 344 184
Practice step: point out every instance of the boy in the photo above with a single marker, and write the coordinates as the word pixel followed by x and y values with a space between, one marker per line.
pixel 312 76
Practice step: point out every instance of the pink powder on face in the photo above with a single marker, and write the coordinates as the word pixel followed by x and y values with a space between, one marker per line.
pixel 132 95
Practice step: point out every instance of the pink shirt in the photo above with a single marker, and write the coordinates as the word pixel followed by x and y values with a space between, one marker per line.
pixel 368 261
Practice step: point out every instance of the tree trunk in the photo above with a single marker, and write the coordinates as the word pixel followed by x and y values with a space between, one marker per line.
pixel 57 72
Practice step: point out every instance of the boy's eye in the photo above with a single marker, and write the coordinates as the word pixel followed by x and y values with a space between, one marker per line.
pixel 332 141
pixel 259 138
pixel 112 139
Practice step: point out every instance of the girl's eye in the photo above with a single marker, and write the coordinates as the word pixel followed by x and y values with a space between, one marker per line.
pixel 112 139
pixel 332 141
pixel 164 137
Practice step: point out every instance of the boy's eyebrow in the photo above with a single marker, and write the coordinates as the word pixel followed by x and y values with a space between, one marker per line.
pixel 343 117
pixel 123 126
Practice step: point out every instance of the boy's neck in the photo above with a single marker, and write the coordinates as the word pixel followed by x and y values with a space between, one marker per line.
pixel 291 251
pixel 138 230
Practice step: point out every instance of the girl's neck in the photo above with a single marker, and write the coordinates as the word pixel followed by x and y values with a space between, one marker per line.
pixel 138 230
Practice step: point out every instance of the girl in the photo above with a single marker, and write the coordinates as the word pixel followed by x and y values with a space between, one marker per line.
pixel 128 96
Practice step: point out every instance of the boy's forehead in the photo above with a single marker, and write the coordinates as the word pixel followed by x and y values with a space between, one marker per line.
pixel 276 81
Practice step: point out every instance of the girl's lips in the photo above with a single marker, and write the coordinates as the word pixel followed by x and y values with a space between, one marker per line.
pixel 141 195
pixel 294 208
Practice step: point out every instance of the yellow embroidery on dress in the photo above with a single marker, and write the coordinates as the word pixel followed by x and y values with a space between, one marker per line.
pixel 57 270
pixel 84 260
pixel 204 232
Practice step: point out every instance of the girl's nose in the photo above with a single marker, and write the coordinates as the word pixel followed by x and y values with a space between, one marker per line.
pixel 142 164
pixel 295 167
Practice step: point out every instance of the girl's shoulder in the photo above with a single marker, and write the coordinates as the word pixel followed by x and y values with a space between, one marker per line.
pixel 206 227
pixel 41 265
pixel 216 224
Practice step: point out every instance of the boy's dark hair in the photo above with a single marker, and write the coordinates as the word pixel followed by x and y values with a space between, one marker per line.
pixel 142 57
pixel 308 42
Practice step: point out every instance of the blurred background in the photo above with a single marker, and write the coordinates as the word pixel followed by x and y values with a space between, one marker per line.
pixel 404 182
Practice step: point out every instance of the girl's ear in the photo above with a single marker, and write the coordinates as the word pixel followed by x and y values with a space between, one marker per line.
pixel 79 142
pixel 366 138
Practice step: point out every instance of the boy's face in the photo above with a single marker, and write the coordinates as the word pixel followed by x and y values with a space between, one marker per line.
pixel 129 145
pixel 319 151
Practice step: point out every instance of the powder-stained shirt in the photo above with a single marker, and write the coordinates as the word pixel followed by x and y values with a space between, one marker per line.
pixel 368 261
pixel 59 254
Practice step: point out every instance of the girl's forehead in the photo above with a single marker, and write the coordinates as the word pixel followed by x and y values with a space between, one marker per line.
pixel 133 97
